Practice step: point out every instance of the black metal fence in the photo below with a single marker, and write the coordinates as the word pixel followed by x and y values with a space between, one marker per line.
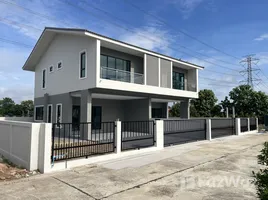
pixel 253 124
pixel 81 140
pixel 183 131
pixel 137 134
pixel 244 124
pixel 222 127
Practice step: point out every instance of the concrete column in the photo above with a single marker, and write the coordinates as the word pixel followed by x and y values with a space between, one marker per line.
pixel 85 112
pixel 208 131
pixel 185 109
pixel 46 101
pixel 145 69
pixel 44 153
pixel 150 108
pixel 237 126
pixel 159 72
pixel 167 115
pixel 159 134
pixel 248 124
pixel 118 137
pixel 171 71
pixel 98 54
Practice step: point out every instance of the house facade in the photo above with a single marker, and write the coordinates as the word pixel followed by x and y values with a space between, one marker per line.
pixel 81 76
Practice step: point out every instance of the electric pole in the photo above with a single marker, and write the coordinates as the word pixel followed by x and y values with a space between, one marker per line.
pixel 248 61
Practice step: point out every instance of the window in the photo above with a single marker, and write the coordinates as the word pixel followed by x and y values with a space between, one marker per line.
pixel 51 69
pixel 58 114
pixel 49 113
pixel 157 113
pixel 178 81
pixel 44 78
pixel 39 113
pixel 83 64
pixel 115 63
pixel 59 66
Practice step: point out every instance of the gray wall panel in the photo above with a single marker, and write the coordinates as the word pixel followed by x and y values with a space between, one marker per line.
pixel 165 72
pixel 152 70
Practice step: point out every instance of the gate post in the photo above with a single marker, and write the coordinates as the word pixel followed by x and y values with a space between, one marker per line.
pixel 118 136
pixel 257 124
pixel 237 126
pixel 248 124
pixel 159 134
pixel 208 131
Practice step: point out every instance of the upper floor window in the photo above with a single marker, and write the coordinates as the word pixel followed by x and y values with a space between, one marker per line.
pixel 51 69
pixel 39 113
pixel 178 81
pixel 83 64
pixel 44 78
pixel 59 66
pixel 115 63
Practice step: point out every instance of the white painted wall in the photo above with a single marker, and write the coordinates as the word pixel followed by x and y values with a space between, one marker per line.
pixel 23 119
pixel 66 48
pixel 20 143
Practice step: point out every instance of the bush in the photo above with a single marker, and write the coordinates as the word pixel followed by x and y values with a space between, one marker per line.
pixel 261 177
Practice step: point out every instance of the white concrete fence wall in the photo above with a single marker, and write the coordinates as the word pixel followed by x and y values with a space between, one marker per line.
pixel 29 144
pixel 20 119
pixel 26 144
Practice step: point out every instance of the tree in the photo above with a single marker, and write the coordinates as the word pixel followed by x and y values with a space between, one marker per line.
pixel 7 106
pixel 217 111
pixel 203 106
pixel 27 108
pixel 175 110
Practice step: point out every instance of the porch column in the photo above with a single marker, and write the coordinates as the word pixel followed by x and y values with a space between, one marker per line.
pixel 85 109
pixel 185 109
pixel 46 100
pixel 150 107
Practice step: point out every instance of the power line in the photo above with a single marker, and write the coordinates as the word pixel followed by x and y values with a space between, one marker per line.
pixel 15 42
pixel 126 22
pixel 179 30
pixel 144 36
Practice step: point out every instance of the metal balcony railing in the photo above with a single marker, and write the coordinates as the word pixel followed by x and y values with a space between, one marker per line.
pixel 121 75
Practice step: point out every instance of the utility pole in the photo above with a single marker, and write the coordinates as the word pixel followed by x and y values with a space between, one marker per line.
pixel 248 61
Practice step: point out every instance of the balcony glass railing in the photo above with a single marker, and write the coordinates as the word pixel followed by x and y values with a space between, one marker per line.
pixel 121 75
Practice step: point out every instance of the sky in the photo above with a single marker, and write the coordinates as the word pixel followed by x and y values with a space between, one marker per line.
pixel 216 34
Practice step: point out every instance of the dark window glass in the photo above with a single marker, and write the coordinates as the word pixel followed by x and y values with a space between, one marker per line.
pixel 58 114
pixel 111 62
pixel 51 69
pixel 59 65
pixel 44 79
pixel 178 81
pixel 49 112
pixel 83 65
pixel 120 64
pixel 157 113
pixel 103 61
pixel 39 113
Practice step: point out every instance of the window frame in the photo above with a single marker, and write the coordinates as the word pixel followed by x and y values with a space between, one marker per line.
pixel 52 69
pixel 44 81
pixel 80 53
pixel 59 104
pixel 50 105
pixel 58 65
pixel 35 107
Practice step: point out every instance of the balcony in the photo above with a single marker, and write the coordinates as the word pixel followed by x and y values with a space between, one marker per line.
pixel 121 75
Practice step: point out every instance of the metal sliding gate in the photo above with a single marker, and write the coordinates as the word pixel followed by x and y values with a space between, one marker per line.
pixel 137 134
pixel 71 140
pixel 222 127
pixel 183 131
pixel 253 124
pixel 243 124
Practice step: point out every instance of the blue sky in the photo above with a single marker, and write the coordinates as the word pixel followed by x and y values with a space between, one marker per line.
pixel 236 28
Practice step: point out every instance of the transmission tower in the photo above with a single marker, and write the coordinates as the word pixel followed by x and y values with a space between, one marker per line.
pixel 247 62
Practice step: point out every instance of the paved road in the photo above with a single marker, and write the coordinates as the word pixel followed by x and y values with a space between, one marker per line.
pixel 202 170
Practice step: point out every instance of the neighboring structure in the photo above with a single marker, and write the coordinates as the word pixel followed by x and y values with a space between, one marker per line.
pixel 81 76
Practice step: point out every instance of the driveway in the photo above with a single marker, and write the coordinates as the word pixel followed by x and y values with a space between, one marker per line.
pixel 219 169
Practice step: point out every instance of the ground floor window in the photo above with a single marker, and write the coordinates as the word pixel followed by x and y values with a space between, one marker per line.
pixel 49 113
pixel 58 114
pixel 157 113
pixel 39 113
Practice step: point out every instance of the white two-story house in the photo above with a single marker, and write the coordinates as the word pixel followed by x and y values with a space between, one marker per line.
pixel 81 76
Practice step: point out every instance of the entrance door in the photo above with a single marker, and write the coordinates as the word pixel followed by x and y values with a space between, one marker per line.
pixel 76 118
pixel 96 117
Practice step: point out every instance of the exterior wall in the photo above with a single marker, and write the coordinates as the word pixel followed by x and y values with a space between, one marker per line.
pixel 136 62
pixel 152 73
pixel 136 110
pixel 192 80
pixel 111 109
pixel 165 73
pixel 66 48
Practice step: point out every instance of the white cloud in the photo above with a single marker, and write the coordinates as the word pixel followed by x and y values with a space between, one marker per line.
pixel 262 37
